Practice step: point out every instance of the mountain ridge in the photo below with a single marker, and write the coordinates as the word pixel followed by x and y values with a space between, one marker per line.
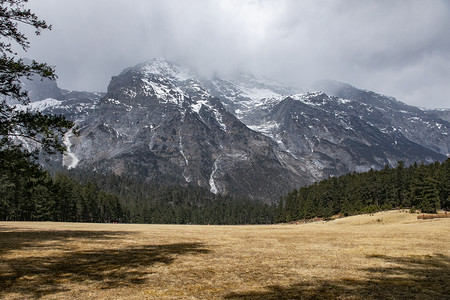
pixel 164 122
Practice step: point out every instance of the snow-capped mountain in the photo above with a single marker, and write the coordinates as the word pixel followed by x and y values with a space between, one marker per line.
pixel 244 95
pixel 395 117
pixel 158 121
pixel 332 135
pixel 164 122
pixel 352 130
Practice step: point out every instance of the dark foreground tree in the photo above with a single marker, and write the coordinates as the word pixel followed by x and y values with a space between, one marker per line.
pixel 24 192
pixel 26 131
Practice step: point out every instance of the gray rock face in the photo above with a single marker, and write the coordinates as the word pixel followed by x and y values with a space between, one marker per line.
pixel 40 88
pixel 394 117
pixel 157 122
pixel 354 130
pixel 163 122
pixel 332 135
pixel 443 113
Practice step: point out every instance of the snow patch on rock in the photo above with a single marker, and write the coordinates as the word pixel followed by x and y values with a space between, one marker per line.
pixel 70 160
pixel 40 105
pixel 212 183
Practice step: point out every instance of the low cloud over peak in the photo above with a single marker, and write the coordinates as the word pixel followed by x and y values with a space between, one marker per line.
pixel 399 48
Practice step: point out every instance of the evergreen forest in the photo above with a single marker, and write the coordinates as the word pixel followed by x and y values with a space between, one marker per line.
pixel 419 187
pixel 29 193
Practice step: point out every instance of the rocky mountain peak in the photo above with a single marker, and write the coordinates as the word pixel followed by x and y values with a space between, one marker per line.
pixel 164 68
pixel 162 122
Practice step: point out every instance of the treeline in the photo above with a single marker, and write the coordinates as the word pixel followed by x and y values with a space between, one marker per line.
pixel 161 204
pixel 422 187
pixel 181 205
pixel 29 193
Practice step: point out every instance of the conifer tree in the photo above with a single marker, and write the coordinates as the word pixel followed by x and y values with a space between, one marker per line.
pixel 430 196
pixel 425 187
pixel 43 131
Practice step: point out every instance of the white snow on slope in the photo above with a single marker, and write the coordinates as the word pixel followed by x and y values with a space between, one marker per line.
pixel 40 105
pixel 256 94
pixel 180 142
pixel 308 97
pixel 212 183
pixel 162 91
pixel 266 128
pixel 219 119
pixel 198 105
pixel 165 89
pixel 160 66
pixel 69 158
pixel 249 92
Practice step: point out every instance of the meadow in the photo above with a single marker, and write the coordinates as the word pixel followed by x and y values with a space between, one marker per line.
pixel 387 255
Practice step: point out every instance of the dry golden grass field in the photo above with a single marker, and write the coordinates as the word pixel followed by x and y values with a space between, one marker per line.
pixel 389 255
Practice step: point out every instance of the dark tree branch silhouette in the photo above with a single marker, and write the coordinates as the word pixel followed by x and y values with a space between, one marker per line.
pixel 18 127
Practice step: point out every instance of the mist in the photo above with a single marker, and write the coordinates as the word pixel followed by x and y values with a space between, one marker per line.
pixel 397 48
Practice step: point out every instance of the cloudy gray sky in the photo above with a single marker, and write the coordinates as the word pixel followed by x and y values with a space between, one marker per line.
pixel 397 48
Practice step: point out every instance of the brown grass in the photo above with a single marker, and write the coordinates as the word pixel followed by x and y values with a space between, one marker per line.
pixel 389 255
